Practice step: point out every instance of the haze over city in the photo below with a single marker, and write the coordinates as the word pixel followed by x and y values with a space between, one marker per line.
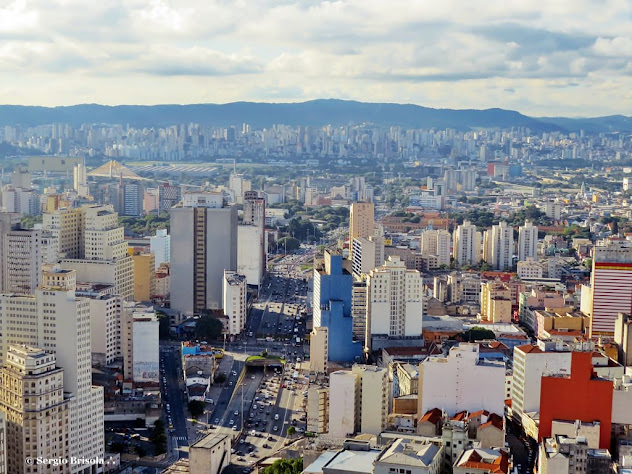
pixel 569 58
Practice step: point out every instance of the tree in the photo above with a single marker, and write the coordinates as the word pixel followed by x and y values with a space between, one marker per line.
pixel 285 466
pixel 196 408
pixel 208 327
pixel 140 451
pixel 291 430
pixel 220 377
pixel 289 243
pixel 477 333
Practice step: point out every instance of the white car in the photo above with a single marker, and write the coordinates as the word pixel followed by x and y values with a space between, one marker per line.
pixel 234 427
pixel 231 423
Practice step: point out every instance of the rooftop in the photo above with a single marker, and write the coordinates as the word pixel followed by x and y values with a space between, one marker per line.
pixel 409 453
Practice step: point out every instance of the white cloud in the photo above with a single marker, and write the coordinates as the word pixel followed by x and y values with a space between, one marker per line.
pixel 557 57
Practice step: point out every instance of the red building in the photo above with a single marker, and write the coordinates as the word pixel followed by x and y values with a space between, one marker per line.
pixel 582 396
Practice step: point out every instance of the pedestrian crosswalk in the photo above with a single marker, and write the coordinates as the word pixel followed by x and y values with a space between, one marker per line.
pixel 180 438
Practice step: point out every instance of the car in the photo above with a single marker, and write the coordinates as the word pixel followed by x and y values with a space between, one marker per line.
pixel 275 428
pixel 234 427
pixel 252 455
pixel 231 423
pixel 217 421
pixel 236 413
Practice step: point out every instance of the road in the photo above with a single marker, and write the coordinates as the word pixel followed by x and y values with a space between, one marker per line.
pixel 174 401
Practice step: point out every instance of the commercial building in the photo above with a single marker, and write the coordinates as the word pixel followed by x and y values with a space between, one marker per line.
pixel 144 275
pixel 499 246
pixel 367 254
pixel 467 244
pixel 20 256
pixel 394 301
pixel 343 388
pixel 411 457
pixel 160 246
pixel 623 338
pixel 374 398
pixel 553 210
pixel 35 409
pixel 319 350
pixel 203 245
pixel 251 260
pixel 580 396
pixel 168 196
pixel 461 382
pixel 318 409
pixel 106 330
pixel 141 353
pixel 57 321
pixel 361 221
pixel 133 195
pixel 91 242
pixel 610 291
pixel 234 301
pixel 210 455
pixel 331 305
pixel 530 363
pixel 527 241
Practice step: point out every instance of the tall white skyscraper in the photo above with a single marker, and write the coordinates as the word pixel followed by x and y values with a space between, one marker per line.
pixel 234 301
pixel 467 244
pixel 160 246
pixel 394 301
pixel 527 241
pixel 203 245
pixel 437 242
pixel 55 320
pixel 499 246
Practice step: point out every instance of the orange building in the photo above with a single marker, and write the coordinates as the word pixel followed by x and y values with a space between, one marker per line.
pixel 582 396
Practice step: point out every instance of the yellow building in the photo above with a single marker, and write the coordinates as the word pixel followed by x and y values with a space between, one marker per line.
pixel 361 221
pixel 495 302
pixel 144 275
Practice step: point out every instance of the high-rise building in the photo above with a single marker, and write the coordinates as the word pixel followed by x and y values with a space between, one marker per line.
pixel 203 245
pixel 36 410
pixel 437 242
pixel 496 302
pixel 80 180
pixel 133 197
pixel 57 321
pixel 141 353
pixel 319 350
pixel 343 390
pixel 367 254
pixel 527 241
pixel 467 244
pixel 160 246
pixel 394 301
pixel 529 364
pixel 461 382
pixel 250 253
pixel 168 196
pixel 499 246
pixel 238 185
pixel 92 243
pixel 361 221
pixel 318 409
pixel 553 210
pixel 144 275
pixel 20 256
pixel 374 398
pixel 106 319
pixel 610 290
pixel 332 306
pixel 234 301
pixel 623 338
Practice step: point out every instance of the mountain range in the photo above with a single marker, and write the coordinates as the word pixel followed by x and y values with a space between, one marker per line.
pixel 311 113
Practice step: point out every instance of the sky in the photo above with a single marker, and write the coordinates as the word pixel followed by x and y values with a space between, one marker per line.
pixel 542 58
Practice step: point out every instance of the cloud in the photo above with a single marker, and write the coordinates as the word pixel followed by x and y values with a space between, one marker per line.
pixel 452 53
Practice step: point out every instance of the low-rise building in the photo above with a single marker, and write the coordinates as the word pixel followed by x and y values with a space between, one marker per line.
pixel 409 457
pixel 478 460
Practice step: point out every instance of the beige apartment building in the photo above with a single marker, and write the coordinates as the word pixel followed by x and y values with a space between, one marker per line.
pixel 37 413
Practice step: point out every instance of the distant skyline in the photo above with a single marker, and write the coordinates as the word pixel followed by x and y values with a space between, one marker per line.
pixel 561 58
